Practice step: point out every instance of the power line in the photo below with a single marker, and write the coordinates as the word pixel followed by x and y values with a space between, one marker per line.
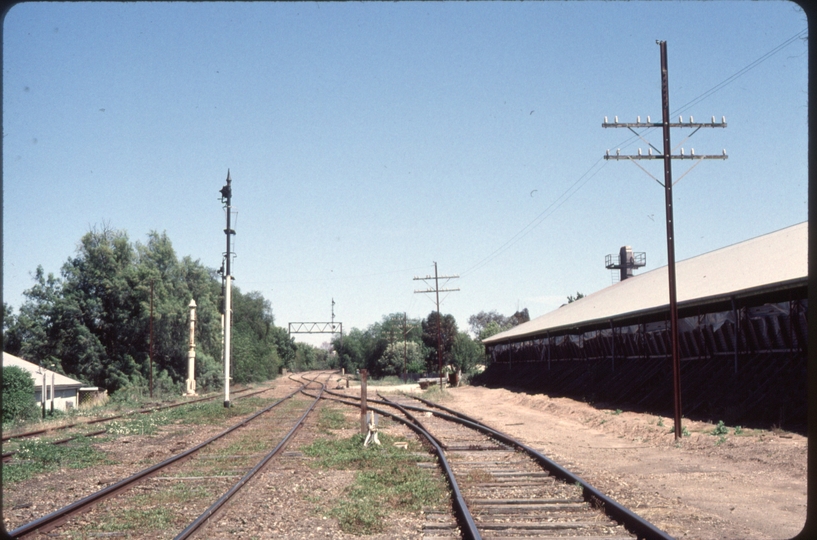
pixel 355 276
pixel 547 212
pixel 732 78
pixel 739 73
pixel 576 186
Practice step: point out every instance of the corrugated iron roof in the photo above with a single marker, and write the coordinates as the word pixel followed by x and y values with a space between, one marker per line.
pixel 60 381
pixel 764 263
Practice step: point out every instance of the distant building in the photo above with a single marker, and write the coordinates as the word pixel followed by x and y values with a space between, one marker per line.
pixel 64 391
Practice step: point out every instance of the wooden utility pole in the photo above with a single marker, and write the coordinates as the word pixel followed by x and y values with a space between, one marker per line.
pixel 364 405
pixel 437 291
pixel 405 346
pixel 667 157
pixel 151 340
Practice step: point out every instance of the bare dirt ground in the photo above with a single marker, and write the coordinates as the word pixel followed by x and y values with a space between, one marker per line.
pixel 749 486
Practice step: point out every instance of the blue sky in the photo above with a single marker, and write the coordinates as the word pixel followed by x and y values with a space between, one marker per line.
pixel 367 140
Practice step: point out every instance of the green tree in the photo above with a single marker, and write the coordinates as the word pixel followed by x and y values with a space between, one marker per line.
pixel 95 319
pixel 571 298
pixel 398 355
pixel 19 403
pixel 351 350
pixel 309 357
pixel 484 325
pixel 379 347
pixel 481 320
pixel 284 344
pixel 491 329
pixel 254 349
pixel 466 353
pixel 446 327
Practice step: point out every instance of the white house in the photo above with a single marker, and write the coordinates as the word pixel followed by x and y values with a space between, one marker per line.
pixel 63 391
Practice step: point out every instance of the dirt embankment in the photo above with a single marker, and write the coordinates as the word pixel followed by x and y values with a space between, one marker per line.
pixel 748 485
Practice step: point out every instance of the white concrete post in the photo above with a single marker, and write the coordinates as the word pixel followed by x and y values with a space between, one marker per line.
pixel 227 317
pixel 191 352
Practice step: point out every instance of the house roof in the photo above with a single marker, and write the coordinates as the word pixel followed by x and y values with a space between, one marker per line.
pixel 773 261
pixel 60 381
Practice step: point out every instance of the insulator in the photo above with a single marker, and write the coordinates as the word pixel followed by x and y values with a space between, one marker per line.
pixel 649 151
pixel 638 119
pixel 713 120
pixel 724 151
pixel 605 119
pixel 680 119
pixel 607 153
pixel 648 119
pixel 682 151
pixel 639 151
pixel 616 119
pixel 691 121
pixel 691 151
pixel 723 119
pixel 618 151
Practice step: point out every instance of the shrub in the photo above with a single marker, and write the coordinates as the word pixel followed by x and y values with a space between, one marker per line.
pixel 19 404
pixel 720 429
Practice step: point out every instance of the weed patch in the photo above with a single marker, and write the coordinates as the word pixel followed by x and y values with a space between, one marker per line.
pixel 684 431
pixel 435 393
pixel 330 418
pixel 721 440
pixel 139 519
pixel 388 480
pixel 389 380
pixel 720 429
pixel 36 456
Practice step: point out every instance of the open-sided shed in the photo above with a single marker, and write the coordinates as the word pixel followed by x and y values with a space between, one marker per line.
pixel 63 391
pixel 742 334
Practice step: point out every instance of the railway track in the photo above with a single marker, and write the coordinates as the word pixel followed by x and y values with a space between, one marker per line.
pixel 10 439
pixel 173 499
pixel 503 489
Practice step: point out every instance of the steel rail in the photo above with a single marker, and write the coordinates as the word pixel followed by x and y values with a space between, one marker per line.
pixel 410 417
pixel 62 515
pixel 11 453
pixel 631 521
pixel 211 511
pixel 464 517
pixel 115 417
pixel 8 455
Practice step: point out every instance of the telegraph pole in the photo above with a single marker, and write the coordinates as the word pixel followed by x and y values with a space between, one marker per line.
pixel 437 291
pixel 226 198
pixel 151 341
pixel 405 346
pixel 667 157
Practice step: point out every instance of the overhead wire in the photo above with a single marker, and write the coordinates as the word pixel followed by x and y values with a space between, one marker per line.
pixel 576 186
pixel 686 106
pixel 354 276
pixel 552 207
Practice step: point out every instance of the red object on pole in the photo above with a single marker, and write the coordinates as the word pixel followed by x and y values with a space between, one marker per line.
pixel 673 303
